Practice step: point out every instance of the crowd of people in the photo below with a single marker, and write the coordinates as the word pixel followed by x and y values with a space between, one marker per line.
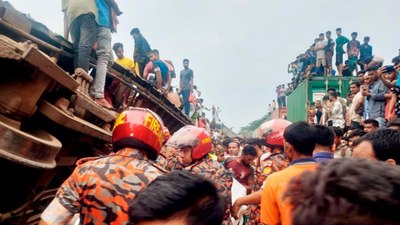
pixel 90 26
pixel 299 173
pixel 317 60
pixel 373 93
pixel 159 73
pixel 281 93
pixel 372 98
pixel 187 177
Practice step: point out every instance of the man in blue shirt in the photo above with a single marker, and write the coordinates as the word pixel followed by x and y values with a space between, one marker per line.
pixel 160 69
pixel 186 85
pixel 323 149
pixel 365 49
pixel 90 22
pixel 376 98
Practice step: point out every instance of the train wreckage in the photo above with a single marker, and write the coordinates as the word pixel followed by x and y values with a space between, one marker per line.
pixel 47 119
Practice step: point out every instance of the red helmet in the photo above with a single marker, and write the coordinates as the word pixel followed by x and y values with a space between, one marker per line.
pixel 166 134
pixel 191 136
pixel 138 128
pixel 274 131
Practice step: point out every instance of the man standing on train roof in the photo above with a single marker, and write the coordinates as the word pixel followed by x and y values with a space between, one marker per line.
pixel 141 51
pixel 101 190
pixel 194 144
pixel 330 44
pixel 340 42
pixel 353 50
pixel 90 22
pixel 320 50
pixel 186 85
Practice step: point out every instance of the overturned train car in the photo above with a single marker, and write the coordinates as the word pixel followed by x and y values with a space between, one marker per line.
pixel 47 119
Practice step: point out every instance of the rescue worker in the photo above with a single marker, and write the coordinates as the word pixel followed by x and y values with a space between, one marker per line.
pixel 167 158
pixel 273 161
pixel 162 159
pixel 101 189
pixel 194 144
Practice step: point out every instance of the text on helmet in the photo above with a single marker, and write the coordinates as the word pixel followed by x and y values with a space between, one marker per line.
pixel 206 140
pixel 120 120
pixel 152 123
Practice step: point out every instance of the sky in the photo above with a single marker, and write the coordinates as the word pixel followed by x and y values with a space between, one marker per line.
pixel 239 49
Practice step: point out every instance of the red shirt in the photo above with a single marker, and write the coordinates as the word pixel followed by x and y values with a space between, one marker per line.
pixel 242 171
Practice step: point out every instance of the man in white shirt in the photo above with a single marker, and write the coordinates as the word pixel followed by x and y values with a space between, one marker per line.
pixel 336 112
pixel 270 109
pixel 356 105
pixel 320 49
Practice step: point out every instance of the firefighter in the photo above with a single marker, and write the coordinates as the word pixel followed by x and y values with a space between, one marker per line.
pixel 273 161
pixel 101 189
pixel 194 144
pixel 167 157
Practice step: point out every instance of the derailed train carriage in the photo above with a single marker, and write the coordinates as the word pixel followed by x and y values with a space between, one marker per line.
pixel 47 119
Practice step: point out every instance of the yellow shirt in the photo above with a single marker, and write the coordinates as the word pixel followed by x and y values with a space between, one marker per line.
pixel 127 63
pixel 273 209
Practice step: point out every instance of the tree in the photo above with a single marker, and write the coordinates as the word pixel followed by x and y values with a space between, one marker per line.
pixel 253 125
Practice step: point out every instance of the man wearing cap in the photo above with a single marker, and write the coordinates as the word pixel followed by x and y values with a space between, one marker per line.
pixel 388 75
pixel 101 189
pixel 394 103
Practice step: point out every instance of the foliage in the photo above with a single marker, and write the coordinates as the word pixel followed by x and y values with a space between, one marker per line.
pixel 253 125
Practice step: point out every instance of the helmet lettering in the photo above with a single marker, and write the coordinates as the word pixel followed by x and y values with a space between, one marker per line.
pixel 206 140
pixel 120 120
pixel 152 123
